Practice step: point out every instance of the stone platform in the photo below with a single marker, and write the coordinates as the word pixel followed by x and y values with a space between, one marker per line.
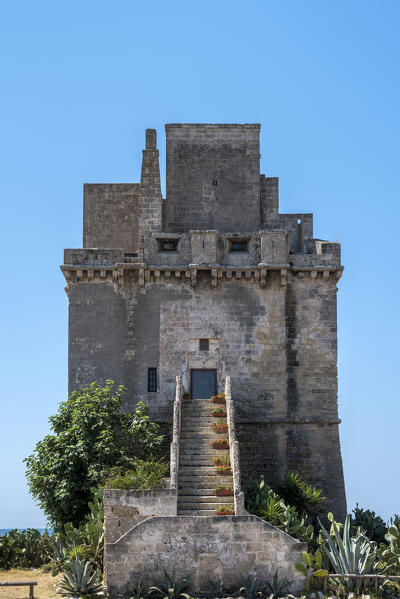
pixel 223 549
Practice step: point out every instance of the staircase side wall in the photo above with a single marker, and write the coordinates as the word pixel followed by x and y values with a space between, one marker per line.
pixel 124 509
pixel 223 549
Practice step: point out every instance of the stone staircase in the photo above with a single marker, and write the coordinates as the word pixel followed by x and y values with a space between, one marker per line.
pixel 197 476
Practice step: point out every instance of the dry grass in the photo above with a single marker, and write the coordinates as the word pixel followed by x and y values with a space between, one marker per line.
pixel 44 589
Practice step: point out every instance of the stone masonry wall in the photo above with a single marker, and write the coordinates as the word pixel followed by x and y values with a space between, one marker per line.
pixel 278 344
pixel 111 216
pixel 268 310
pixel 123 509
pixel 220 549
pixel 213 177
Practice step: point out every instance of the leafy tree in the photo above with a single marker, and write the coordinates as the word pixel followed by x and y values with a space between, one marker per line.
pixel 373 525
pixel 91 435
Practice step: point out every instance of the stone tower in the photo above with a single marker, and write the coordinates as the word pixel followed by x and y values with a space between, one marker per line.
pixel 209 282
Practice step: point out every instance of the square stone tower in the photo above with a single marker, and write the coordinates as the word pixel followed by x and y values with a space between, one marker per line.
pixel 212 281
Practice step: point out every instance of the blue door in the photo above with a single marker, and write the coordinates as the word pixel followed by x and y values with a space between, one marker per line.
pixel 204 383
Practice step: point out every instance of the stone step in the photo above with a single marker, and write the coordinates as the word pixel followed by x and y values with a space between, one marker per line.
pixel 200 423
pixel 203 499
pixel 196 462
pixel 204 436
pixel 190 460
pixel 205 420
pixel 207 435
pixel 203 444
pixel 196 491
pixel 196 513
pixel 203 482
pixel 188 403
pixel 201 506
pixel 209 455
pixel 198 471
pixel 199 415
pixel 200 430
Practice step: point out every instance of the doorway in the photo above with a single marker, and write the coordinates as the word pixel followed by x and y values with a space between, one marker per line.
pixel 203 383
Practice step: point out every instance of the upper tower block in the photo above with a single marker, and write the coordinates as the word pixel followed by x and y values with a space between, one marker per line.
pixel 213 177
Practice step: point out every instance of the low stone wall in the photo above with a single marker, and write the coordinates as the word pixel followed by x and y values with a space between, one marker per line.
pixel 223 549
pixel 124 509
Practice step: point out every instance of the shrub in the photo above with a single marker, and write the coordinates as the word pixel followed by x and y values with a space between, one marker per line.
pixel 307 499
pixel 373 525
pixel 252 588
pixel 170 588
pixel 90 435
pixel 24 549
pixel 278 587
pixel 145 475
pixel 262 501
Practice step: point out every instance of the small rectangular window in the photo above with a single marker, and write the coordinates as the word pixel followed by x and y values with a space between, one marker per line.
pixel 152 380
pixel 239 245
pixel 215 183
pixel 167 245
pixel 204 345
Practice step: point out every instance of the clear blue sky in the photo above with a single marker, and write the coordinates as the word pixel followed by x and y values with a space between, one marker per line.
pixel 80 83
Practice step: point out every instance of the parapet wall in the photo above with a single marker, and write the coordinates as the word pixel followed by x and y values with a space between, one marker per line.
pixel 123 509
pixel 221 549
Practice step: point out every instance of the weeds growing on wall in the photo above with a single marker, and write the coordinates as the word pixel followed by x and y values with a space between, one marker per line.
pixel 144 474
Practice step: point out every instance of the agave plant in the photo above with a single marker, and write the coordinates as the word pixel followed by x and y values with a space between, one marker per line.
pixel 351 554
pixel 137 591
pixel 79 580
pixel 214 590
pixel 278 587
pixel 170 587
pixel 252 588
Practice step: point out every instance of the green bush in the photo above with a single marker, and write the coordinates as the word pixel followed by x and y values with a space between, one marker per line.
pixel 373 525
pixel 306 499
pixel 148 474
pixel 262 501
pixel 24 549
pixel 90 434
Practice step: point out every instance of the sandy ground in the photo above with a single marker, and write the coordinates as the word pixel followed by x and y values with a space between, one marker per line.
pixel 44 589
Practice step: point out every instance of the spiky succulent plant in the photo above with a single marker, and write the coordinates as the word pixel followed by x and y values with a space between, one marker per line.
pixel 79 580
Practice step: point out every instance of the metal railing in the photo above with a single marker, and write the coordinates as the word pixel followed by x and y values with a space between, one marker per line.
pixel 234 450
pixel 176 433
